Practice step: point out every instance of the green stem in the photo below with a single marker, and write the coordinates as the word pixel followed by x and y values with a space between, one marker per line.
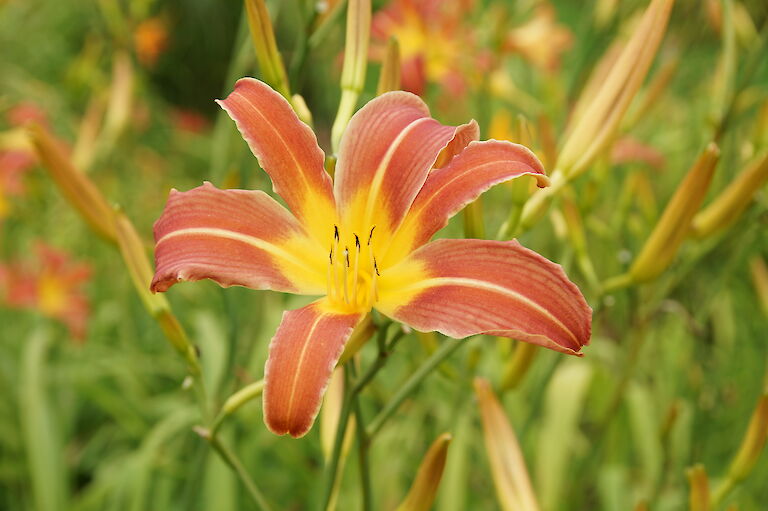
pixel 235 401
pixel 363 443
pixel 448 347
pixel 322 31
pixel 333 465
pixel 722 491
pixel 348 405
pixel 231 459
pixel 512 224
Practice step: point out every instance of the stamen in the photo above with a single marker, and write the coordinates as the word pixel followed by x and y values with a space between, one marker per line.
pixel 346 268
pixel 354 273
pixel 370 236
pixel 335 250
pixel 329 278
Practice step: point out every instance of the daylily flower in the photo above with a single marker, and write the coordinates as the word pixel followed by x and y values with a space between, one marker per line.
pixel 52 285
pixel 541 41
pixel 433 42
pixel 362 241
pixel 150 40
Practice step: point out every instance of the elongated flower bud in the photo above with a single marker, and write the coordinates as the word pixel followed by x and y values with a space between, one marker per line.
pixel 753 442
pixel 263 37
pixel 75 186
pixel 355 64
pixel 389 79
pixel 510 476
pixel 759 271
pixel 670 232
pixel 595 128
pixel 731 203
pixel 139 268
pixel 698 499
pixel 422 493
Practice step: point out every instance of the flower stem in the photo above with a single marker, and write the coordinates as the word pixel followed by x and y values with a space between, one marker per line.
pixel 362 451
pixel 349 403
pixel 448 347
pixel 231 459
pixel 333 464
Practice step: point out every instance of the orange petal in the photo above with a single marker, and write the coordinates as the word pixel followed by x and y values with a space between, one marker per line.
pixel 467 287
pixel 235 237
pixel 287 150
pixel 447 190
pixel 302 355
pixel 388 149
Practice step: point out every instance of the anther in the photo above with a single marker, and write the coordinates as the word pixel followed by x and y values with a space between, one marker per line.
pixel 346 255
pixel 336 232
pixel 376 267
pixel 357 242
pixel 370 236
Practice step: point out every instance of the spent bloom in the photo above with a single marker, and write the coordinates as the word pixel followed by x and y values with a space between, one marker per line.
pixel 361 241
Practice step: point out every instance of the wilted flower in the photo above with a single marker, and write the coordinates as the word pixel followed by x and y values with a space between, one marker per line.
pixel 362 241
pixel 51 285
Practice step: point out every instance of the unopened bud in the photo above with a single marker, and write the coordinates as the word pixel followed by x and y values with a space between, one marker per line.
pixel 135 257
pixel 699 496
pixel 75 186
pixel 759 271
pixel 596 126
pixel 510 476
pixel 731 203
pixel 675 223
pixel 263 37
pixel 753 443
pixel 355 64
pixel 389 79
pixel 424 488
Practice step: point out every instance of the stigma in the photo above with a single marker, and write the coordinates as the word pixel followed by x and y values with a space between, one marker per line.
pixel 352 270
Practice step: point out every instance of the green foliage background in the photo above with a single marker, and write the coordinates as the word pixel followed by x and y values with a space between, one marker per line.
pixel 108 424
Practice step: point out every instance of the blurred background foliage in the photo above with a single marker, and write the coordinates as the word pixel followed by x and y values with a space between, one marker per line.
pixel 103 418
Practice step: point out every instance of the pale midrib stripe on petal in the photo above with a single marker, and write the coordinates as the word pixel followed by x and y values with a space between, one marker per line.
pixel 438 191
pixel 280 137
pixel 378 177
pixel 480 284
pixel 244 238
pixel 302 356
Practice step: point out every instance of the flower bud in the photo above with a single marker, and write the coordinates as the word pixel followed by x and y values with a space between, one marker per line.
pixel 389 79
pixel 699 496
pixel 594 129
pixel 752 443
pixel 510 476
pixel 76 187
pixel 355 64
pixel 263 37
pixel 731 203
pixel 675 223
pixel 759 271
pixel 424 488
